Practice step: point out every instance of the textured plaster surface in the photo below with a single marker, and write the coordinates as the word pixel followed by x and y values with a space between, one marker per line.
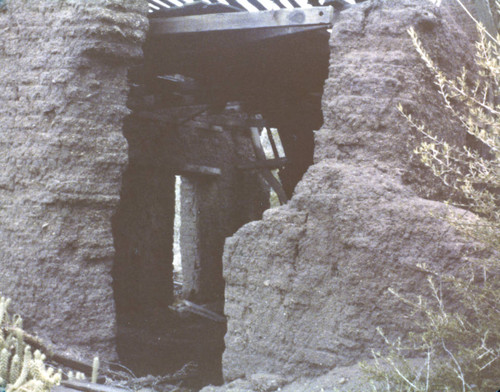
pixel 63 88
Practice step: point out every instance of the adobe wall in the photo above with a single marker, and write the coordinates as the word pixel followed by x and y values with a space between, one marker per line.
pixel 307 286
pixel 63 89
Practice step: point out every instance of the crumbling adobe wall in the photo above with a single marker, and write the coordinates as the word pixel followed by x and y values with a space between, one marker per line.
pixel 63 88
pixel 307 286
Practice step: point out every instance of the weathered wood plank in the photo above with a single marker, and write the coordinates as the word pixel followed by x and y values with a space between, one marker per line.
pixel 242 20
pixel 203 312
pixel 86 386
pixel 60 388
pixel 273 143
pixel 200 170
pixel 266 173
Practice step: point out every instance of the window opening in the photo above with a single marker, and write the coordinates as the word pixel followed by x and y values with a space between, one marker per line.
pixel 271 143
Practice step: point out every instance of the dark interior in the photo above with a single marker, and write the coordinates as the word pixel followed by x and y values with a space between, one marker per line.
pixel 279 76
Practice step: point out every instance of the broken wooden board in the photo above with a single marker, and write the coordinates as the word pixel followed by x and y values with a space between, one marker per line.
pixel 60 388
pixel 285 18
pixel 85 386
pixel 200 310
pixel 266 173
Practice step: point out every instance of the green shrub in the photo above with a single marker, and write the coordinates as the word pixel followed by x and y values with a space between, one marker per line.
pixel 458 346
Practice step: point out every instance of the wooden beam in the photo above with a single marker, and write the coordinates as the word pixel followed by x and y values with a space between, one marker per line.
pixel 85 386
pixel 273 143
pixel 213 123
pixel 266 173
pixel 315 16
pixel 200 170
pixel 202 311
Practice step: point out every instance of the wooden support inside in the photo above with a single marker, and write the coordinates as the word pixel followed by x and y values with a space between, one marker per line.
pixel 85 386
pixel 273 143
pixel 284 18
pixel 200 170
pixel 266 173
pixel 202 311
pixel 196 120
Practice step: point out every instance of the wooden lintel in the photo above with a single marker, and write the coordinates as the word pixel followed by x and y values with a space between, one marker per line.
pixel 200 170
pixel 267 164
pixel 315 16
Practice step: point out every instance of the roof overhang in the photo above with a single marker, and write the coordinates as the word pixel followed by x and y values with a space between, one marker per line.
pixel 288 21
pixel 243 55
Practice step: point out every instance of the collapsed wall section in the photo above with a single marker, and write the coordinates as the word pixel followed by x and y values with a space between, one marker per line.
pixel 63 88
pixel 307 286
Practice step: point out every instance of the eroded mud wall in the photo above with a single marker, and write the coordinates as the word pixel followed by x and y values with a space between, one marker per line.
pixel 63 88
pixel 307 286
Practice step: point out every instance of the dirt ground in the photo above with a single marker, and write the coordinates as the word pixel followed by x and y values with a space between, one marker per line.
pixel 165 343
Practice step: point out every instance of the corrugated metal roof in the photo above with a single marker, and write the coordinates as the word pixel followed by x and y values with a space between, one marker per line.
pixel 248 5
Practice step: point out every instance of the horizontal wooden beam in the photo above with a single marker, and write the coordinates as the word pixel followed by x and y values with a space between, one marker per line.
pixel 215 123
pixel 85 386
pixel 267 164
pixel 315 16
pixel 200 170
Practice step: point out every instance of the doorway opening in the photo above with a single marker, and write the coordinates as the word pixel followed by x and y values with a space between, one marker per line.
pixel 219 121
